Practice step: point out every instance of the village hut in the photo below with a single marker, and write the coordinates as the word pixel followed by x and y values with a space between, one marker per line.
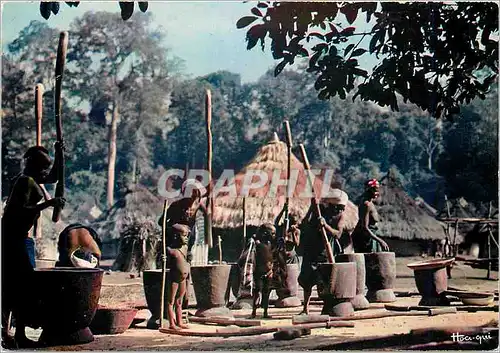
pixel 407 227
pixel 265 203
pixel 137 205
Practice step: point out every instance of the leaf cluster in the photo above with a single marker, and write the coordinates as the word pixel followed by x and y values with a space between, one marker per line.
pixel 435 55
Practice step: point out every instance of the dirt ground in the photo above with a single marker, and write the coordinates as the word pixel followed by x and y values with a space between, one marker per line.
pixel 121 288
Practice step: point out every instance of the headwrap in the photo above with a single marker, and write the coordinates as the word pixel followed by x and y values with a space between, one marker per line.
pixel 372 184
pixel 338 197
pixel 193 184
pixel 181 228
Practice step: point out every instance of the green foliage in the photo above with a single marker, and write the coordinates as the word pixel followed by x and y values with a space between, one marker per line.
pixel 162 121
pixel 133 75
pixel 126 8
pixel 470 158
pixel 139 242
pixel 430 53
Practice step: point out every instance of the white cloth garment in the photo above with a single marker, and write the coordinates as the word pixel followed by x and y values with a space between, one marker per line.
pixel 82 263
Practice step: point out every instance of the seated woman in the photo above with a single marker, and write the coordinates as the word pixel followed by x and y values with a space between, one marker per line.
pixel 78 246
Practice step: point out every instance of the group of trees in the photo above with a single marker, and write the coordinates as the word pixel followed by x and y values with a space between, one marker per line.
pixel 437 56
pixel 129 114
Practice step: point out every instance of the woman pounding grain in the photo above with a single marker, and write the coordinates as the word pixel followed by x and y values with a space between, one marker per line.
pixel 183 211
pixel 364 237
pixel 21 212
pixel 332 210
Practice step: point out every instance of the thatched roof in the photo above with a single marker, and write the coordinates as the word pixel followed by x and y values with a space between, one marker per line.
pixel 137 202
pixel 425 206
pixel 260 207
pixel 401 216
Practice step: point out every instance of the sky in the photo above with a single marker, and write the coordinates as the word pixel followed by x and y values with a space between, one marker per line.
pixel 202 33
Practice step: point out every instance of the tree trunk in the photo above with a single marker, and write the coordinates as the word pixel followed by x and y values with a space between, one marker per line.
pixel 134 171
pixel 112 154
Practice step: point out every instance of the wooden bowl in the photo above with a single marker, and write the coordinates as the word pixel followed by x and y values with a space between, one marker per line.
pixel 480 301
pixel 431 264
pixel 472 298
pixel 112 320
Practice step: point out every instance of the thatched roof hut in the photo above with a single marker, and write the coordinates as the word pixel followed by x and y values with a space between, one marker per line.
pixel 261 205
pixel 402 217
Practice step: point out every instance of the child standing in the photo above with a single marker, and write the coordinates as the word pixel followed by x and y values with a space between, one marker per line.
pixel 178 273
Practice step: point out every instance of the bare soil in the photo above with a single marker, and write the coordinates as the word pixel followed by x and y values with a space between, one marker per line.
pixel 120 289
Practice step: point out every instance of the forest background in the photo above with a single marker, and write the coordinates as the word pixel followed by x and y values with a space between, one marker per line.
pixel 133 89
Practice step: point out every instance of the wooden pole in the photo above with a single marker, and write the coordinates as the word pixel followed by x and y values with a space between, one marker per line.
pixel 210 204
pixel 37 227
pixel 61 60
pixel 244 222
pixel 288 172
pixel 307 167
pixel 455 239
pixel 303 319
pixel 219 243
pixel 226 321
pixel 447 205
pixel 38 112
pixel 259 330
pixel 449 216
pixel 491 235
pixel 164 263
pixel 488 275
pixel 255 330
pixel 468 220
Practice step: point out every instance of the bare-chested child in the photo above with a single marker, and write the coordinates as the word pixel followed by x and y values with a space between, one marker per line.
pixel 263 266
pixel 269 266
pixel 184 210
pixel 178 273
pixel 364 237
